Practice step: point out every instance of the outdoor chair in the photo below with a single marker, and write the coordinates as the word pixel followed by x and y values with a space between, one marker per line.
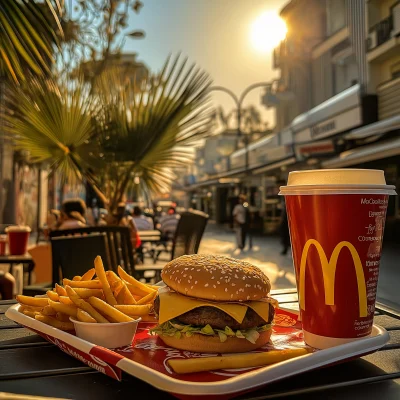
pixel 71 255
pixel 187 238
pixel 118 245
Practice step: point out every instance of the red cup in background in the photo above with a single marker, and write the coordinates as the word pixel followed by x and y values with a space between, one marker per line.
pixel 18 237
pixel 3 245
pixel 336 227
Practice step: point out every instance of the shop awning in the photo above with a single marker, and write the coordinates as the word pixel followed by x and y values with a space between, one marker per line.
pixel 364 154
pixel 377 128
pixel 270 167
pixel 229 176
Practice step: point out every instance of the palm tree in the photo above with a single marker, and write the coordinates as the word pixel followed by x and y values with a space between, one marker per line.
pixel 27 37
pixel 151 129
pixel 119 131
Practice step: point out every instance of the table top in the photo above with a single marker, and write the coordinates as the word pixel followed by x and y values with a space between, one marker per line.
pixel 30 365
pixel 7 259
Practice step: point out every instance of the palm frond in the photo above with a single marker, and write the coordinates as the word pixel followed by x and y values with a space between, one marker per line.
pixel 154 126
pixel 53 124
pixel 27 37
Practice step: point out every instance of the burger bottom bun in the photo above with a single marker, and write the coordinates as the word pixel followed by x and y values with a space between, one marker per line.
pixel 211 344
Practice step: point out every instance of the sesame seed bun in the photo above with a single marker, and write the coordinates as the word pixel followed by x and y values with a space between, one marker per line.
pixel 216 278
pixel 212 344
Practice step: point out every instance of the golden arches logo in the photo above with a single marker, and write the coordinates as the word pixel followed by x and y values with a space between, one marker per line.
pixel 329 271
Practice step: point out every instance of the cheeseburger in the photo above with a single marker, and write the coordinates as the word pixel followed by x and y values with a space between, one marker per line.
pixel 214 304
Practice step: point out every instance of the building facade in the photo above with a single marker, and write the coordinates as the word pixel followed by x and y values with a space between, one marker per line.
pixel 337 103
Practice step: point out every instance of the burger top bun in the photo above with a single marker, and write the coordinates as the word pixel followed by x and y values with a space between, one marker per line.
pixel 216 278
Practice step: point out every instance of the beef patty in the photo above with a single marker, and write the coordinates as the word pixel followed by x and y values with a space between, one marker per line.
pixel 218 319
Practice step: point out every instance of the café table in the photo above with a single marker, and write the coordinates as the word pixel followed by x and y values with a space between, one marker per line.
pixel 30 365
pixel 24 259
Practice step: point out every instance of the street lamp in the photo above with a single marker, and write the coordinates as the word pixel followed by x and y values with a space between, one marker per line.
pixel 239 102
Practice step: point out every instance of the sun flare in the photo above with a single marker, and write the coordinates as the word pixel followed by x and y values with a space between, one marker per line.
pixel 267 31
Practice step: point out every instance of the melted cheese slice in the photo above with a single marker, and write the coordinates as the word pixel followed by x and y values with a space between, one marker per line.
pixel 173 304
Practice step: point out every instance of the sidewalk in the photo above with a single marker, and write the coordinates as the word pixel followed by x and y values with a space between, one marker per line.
pixel 265 254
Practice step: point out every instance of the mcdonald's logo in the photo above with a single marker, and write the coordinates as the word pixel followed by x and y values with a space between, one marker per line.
pixel 329 271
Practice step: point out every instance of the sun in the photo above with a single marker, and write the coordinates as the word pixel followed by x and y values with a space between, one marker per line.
pixel 267 31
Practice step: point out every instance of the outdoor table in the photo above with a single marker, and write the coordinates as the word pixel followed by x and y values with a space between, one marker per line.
pixel 25 259
pixel 30 365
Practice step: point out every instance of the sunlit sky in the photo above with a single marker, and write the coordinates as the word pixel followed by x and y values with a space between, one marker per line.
pixel 216 34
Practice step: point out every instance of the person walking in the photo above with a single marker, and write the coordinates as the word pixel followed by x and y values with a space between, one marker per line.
pixel 284 231
pixel 240 217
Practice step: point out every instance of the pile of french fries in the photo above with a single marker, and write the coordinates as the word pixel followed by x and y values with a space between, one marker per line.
pixel 96 297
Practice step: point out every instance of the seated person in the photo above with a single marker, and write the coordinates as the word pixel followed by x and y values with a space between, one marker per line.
pixel 168 224
pixel 142 222
pixel 120 218
pixel 7 283
pixel 72 214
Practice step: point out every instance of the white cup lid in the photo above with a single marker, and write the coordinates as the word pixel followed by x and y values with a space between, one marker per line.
pixel 328 180
pixel 18 228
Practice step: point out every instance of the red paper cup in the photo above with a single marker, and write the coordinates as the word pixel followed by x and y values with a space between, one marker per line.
pixel 336 221
pixel 18 237
pixel 3 245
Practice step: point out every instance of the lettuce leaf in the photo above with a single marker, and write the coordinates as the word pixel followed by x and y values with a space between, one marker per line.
pixel 173 328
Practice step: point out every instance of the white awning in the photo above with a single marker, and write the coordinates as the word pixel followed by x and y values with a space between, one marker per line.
pixel 275 165
pixel 377 128
pixel 364 154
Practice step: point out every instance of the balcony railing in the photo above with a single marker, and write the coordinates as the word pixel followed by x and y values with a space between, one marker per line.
pixel 389 99
pixel 380 33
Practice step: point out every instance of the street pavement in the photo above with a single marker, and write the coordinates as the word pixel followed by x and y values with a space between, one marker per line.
pixel 266 255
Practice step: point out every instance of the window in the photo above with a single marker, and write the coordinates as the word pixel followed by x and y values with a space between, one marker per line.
pixel 395 70
pixel 345 73
pixel 336 16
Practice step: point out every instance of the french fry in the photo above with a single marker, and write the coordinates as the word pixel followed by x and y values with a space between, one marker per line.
pixel 85 293
pixel 116 286
pixel 93 284
pixel 29 313
pixel 121 295
pixel 32 301
pixel 135 291
pixel 65 300
pixel 60 290
pixel 85 306
pixel 77 278
pixel 189 365
pixel 64 326
pixel 126 277
pixel 83 316
pixel 112 277
pixel 88 275
pixel 48 310
pixel 147 299
pixel 101 274
pixel 109 310
pixel 129 299
pixel 64 308
pixel 147 318
pixel 62 317
pixel 52 295
pixel 30 308
pixel 134 310
pixel 155 287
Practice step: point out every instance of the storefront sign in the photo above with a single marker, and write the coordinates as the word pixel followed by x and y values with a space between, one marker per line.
pixel 317 148
pixel 325 127
pixel 340 123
